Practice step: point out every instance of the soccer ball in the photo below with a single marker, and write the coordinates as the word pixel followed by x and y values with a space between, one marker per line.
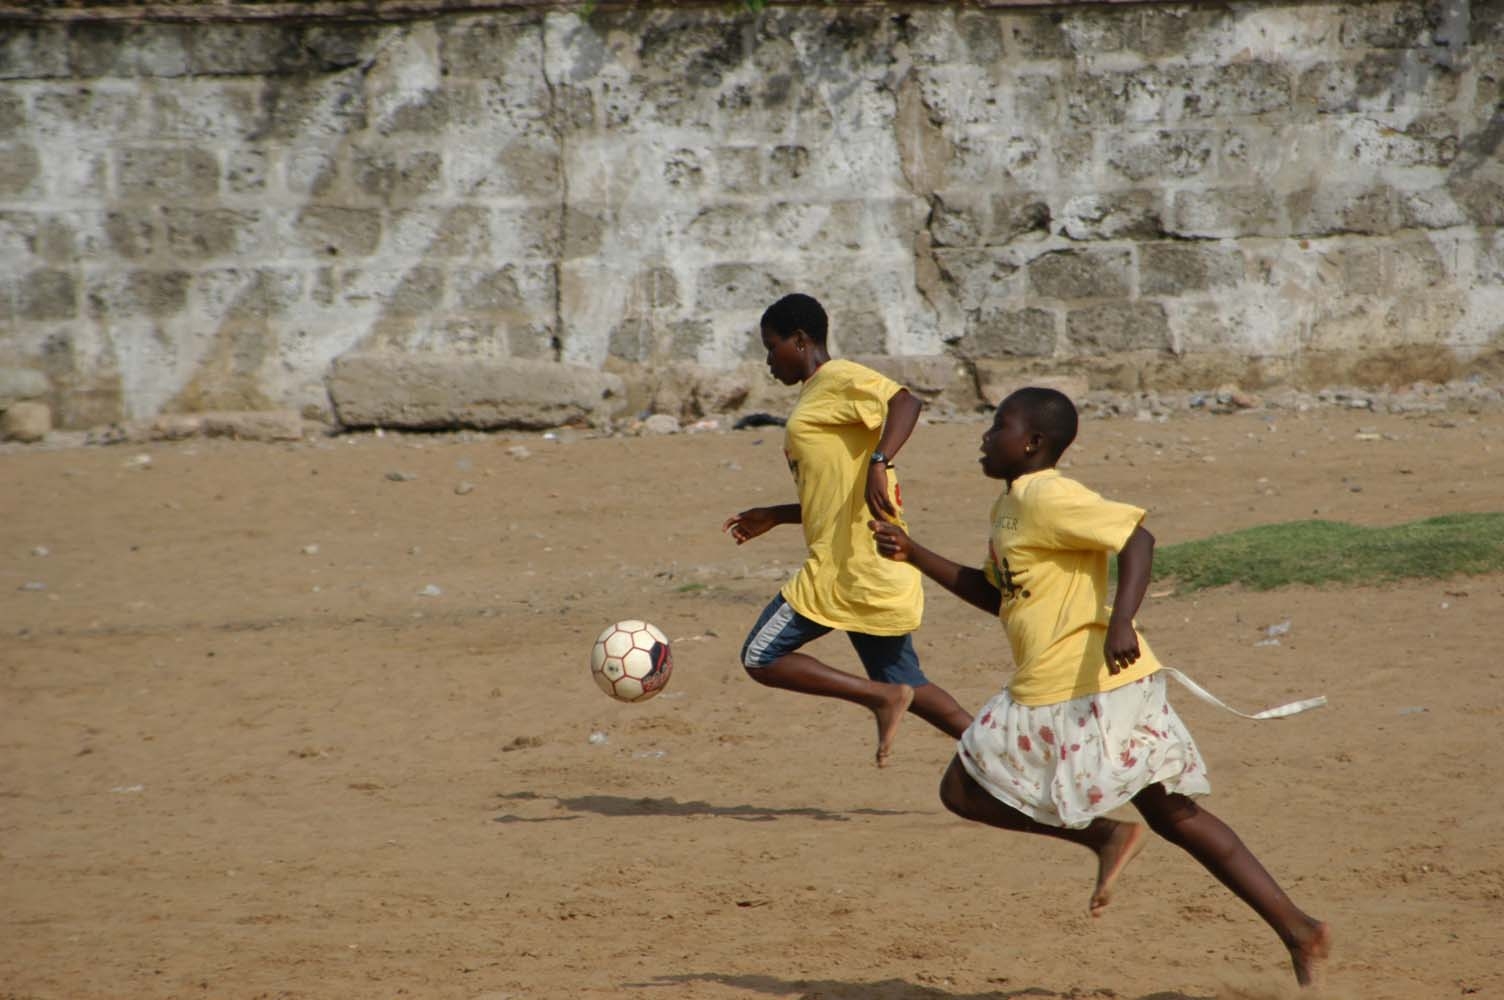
pixel 630 660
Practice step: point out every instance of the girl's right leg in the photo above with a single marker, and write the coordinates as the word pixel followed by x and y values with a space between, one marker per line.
pixel 1178 819
pixel 1115 843
pixel 770 656
pixel 807 675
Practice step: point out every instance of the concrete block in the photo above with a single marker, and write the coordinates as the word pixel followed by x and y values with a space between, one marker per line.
pixel 737 286
pixel 1170 31
pixel 442 230
pixel 131 294
pixel 1221 213
pixel 857 331
pixel 1176 268
pixel 335 231
pixel 1087 34
pixel 1032 37
pixel 19 235
pixel 113 49
pixel 25 422
pixel 250 293
pixel 490 48
pixel 996 332
pixel 396 291
pixel 428 393
pixel 247 171
pixel 166 174
pixel 997 380
pixel 973 277
pixel 1481 199
pixel 958 219
pixel 1161 153
pixel 527 287
pixel 1118 326
pixel 1081 274
pixel 72 114
pixel 687 337
pixel 1235 89
pixel 631 340
pixel 310 110
pixel 253 425
pixel 1415 264
pixel 1387 26
pixel 228 112
pixel 396 176
pixel 34 52
pixel 1113 215
pixel 202 234
pixel 47 295
pixel 21 384
pixel 1379 81
pixel 133 233
pixel 12 115
pixel 585 228
pixel 1341 208
pixel 1116 98
pixel 20 169
pixel 262 48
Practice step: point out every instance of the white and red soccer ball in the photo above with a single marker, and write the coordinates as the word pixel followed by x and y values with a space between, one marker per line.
pixel 630 660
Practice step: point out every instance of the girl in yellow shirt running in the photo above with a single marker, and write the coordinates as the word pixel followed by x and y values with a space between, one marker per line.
pixel 1084 725
pixel 840 441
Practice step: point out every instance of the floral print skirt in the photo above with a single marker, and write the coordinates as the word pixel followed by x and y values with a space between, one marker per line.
pixel 1068 763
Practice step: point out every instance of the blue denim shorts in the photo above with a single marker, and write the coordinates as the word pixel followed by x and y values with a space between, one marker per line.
pixel 781 630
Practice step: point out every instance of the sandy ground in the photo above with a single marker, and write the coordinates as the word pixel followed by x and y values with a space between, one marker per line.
pixel 242 754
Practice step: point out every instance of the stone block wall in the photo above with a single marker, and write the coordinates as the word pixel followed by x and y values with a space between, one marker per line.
pixel 206 216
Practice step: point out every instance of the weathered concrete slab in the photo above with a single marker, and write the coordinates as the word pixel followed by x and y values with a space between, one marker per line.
pixel 429 393
pixel 25 422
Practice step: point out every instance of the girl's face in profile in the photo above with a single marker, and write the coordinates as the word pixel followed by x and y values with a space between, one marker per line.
pixel 785 359
pixel 1008 445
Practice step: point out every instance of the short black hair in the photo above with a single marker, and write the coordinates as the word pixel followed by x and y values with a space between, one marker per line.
pixel 797 312
pixel 1049 412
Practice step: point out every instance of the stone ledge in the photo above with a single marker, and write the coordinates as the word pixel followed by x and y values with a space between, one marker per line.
pixel 432 393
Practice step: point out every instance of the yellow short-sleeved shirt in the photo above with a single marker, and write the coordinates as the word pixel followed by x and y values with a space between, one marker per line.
pixel 1047 553
pixel 828 440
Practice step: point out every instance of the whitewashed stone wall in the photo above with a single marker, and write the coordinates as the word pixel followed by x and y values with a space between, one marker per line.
pixel 198 217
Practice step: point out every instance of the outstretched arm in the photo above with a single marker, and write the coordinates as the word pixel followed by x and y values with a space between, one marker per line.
pixel 753 522
pixel 1134 563
pixel 969 584
pixel 903 414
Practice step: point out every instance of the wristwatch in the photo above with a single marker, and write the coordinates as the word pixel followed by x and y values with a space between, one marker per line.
pixel 878 456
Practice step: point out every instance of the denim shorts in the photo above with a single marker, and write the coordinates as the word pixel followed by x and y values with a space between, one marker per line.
pixel 781 630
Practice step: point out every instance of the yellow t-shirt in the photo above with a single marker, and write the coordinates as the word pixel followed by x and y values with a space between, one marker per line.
pixel 1047 554
pixel 828 440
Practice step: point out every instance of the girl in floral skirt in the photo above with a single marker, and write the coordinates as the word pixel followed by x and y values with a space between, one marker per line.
pixel 1084 725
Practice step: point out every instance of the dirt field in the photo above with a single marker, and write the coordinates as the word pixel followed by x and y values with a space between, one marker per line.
pixel 243 755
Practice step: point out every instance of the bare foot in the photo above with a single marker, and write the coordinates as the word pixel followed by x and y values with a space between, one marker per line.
pixel 1122 846
pixel 888 718
pixel 1310 951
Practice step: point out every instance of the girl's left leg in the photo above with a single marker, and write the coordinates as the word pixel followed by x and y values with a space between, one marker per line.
pixel 1114 842
pixel 1178 819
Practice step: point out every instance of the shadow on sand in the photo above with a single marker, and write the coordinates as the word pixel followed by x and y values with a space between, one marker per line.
pixel 617 805
pixel 892 989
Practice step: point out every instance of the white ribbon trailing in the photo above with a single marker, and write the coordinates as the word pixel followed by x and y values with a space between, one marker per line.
pixel 1278 712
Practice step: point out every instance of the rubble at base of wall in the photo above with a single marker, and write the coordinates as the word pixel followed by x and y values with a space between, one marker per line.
pixel 766 403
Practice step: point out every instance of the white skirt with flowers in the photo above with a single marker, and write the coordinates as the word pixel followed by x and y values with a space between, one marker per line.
pixel 1068 763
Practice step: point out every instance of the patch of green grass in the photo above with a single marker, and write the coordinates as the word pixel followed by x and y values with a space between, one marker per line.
pixel 689 588
pixel 1316 552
